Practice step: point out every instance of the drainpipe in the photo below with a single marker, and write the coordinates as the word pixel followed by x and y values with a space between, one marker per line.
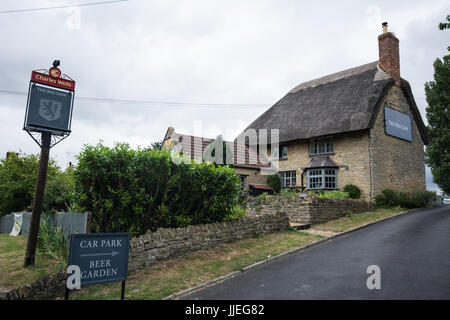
pixel 301 178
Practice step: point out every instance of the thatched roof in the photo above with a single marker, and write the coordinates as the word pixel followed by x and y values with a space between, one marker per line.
pixel 341 102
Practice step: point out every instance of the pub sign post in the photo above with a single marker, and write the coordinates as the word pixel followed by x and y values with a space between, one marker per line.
pixel 48 120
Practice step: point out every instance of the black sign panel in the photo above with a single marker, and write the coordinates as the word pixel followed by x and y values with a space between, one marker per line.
pixel 49 109
pixel 102 257
pixel 397 124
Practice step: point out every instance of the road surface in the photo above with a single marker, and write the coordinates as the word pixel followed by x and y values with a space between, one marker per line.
pixel 412 252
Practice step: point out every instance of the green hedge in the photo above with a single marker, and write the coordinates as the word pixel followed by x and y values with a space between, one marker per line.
pixel 416 199
pixel 18 176
pixel 137 190
pixel 353 191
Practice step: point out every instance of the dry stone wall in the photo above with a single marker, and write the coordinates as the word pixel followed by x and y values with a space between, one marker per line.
pixel 312 210
pixel 167 243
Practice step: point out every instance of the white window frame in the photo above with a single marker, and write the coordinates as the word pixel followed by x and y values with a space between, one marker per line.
pixel 288 178
pixel 324 178
pixel 315 145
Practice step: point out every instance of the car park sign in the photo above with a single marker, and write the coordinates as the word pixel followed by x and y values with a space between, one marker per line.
pixel 101 257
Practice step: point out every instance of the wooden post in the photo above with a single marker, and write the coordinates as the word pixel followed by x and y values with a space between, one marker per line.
pixel 38 199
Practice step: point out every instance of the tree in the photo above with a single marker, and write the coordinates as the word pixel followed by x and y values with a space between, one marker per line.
pixel 438 115
pixel 445 25
pixel 18 183
pixel 274 182
pixel 157 145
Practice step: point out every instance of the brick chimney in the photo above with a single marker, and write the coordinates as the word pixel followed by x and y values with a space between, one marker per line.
pixel 389 56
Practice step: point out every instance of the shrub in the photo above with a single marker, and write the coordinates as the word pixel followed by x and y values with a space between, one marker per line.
pixel 274 182
pixel 136 190
pixel 18 184
pixel 52 241
pixel 353 191
pixel 288 193
pixel 416 199
pixel 333 194
pixel 257 201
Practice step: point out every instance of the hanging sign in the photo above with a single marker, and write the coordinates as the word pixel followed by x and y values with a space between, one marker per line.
pixel 50 103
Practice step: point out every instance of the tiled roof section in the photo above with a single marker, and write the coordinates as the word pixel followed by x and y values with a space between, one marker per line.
pixel 260 186
pixel 321 162
pixel 243 156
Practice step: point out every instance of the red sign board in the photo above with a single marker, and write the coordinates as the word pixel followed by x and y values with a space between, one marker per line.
pixel 52 81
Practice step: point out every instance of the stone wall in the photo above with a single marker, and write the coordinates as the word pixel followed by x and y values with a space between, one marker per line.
pixel 313 210
pixel 396 164
pixel 167 243
pixel 46 288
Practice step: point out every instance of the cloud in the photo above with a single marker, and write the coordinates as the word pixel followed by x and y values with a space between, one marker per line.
pixel 226 52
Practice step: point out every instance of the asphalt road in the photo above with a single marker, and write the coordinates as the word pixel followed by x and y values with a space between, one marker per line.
pixel 412 251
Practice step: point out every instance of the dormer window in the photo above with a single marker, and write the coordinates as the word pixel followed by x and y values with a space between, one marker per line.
pixel 283 152
pixel 321 146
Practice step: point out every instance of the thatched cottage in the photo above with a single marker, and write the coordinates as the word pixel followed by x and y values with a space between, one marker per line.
pixel 359 126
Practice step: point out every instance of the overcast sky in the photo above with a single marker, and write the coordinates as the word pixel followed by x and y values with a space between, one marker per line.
pixel 233 58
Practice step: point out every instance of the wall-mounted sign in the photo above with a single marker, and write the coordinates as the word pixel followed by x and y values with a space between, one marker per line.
pixel 101 257
pixel 48 109
pixel 397 124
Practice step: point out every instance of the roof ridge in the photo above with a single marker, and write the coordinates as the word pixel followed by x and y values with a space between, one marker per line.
pixel 335 76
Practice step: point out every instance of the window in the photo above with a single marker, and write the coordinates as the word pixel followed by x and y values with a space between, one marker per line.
pixel 288 178
pixel 321 146
pixel 283 152
pixel 322 178
pixel 243 180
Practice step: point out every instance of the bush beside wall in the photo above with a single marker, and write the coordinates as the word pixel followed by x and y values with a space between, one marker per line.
pixel 136 190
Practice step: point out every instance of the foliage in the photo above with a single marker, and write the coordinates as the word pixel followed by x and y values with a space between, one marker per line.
pixel 334 194
pixel 274 182
pixel 438 115
pixel 416 199
pixel 257 201
pixel 288 193
pixel 353 191
pixel 445 25
pixel 157 145
pixel 236 213
pixel 137 190
pixel 52 241
pixel 18 176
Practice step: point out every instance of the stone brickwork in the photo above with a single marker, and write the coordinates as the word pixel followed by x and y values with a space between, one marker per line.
pixel 253 176
pixel 351 156
pixel 389 55
pixel 46 288
pixel 313 210
pixel 147 249
pixel 396 164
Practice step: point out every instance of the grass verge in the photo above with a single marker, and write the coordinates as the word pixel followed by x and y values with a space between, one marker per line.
pixel 12 254
pixel 353 220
